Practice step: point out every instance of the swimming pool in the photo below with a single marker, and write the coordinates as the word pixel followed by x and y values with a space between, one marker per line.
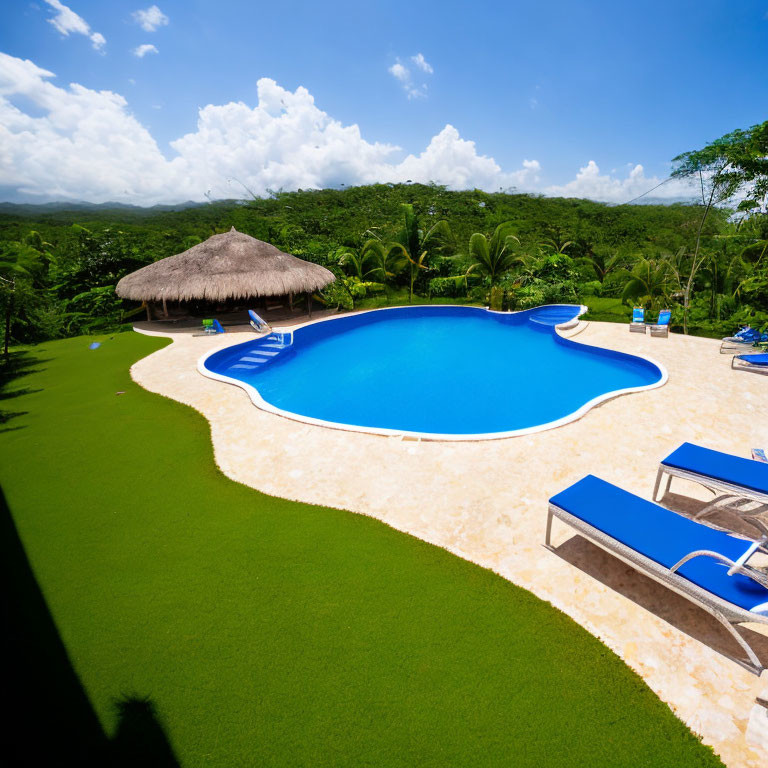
pixel 438 372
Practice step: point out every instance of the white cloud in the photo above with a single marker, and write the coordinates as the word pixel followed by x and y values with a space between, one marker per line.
pixel 66 21
pixel 143 50
pixel 413 89
pixel 98 40
pixel 400 72
pixel 452 161
pixel 422 63
pixel 79 143
pixel 150 18
pixel 82 147
pixel 590 183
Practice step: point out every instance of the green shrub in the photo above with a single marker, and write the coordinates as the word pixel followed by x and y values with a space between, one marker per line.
pixel 592 288
pixel 373 289
pixel 448 286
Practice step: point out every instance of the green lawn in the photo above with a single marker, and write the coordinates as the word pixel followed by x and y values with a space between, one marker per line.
pixel 262 632
pixel 609 310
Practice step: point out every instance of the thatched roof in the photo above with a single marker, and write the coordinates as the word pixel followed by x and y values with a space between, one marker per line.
pixel 228 266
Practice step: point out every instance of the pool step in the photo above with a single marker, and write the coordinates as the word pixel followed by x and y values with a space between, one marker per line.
pixel 264 353
pixel 554 315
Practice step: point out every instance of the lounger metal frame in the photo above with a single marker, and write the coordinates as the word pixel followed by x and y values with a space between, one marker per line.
pixel 728 614
pixel 711 483
pixel 739 364
pixel 729 347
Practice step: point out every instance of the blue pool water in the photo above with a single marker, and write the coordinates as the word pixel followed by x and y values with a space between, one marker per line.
pixel 435 370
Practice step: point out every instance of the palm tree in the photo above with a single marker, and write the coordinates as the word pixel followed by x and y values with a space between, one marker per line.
pixel 385 260
pixel 354 262
pixel 493 256
pixel 649 281
pixel 415 245
pixel 602 261
pixel 555 245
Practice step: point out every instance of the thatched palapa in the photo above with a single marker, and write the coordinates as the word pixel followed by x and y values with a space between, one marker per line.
pixel 228 266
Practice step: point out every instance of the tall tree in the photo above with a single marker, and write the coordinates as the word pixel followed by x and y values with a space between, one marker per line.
pixel 735 162
pixel 19 262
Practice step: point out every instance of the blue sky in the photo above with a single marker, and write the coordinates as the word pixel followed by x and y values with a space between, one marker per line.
pixel 557 84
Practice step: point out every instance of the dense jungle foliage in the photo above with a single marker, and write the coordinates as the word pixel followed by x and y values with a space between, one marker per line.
pixel 388 244
pixel 393 243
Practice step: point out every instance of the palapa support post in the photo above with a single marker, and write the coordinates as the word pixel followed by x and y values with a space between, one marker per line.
pixel 309 304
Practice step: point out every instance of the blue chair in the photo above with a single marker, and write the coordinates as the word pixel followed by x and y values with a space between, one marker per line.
pixel 661 327
pixel 707 566
pixel 756 362
pixel 638 320
pixel 258 323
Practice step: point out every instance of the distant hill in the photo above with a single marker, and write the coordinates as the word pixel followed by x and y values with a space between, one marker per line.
pixel 37 209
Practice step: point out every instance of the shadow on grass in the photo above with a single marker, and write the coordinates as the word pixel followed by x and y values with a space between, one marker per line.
pixel 50 720
pixel 139 739
pixel 19 363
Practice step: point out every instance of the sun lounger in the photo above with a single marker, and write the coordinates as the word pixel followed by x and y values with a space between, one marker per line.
pixel 743 340
pixel 258 323
pixel 740 334
pixel 638 320
pixel 756 362
pixel 720 472
pixel 661 327
pixel 683 555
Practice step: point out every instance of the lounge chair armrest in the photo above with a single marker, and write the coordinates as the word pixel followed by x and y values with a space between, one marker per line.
pixel 701 553
pixel 740 566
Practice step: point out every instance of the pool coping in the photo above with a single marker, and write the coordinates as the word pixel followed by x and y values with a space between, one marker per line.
pixel 260 402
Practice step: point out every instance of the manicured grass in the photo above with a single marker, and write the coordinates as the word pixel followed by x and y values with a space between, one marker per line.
pixel 271 633
pixel 606 309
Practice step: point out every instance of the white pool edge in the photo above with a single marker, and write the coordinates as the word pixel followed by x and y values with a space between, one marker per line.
pixel 262 404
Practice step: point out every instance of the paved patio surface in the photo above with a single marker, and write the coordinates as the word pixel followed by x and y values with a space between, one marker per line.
pixel 487 502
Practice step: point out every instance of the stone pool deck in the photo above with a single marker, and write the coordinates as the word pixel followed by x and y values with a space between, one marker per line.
pixel 487 502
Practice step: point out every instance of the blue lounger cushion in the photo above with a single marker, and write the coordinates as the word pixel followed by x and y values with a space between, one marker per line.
pixel 663 536
pixel 734 470
pixel 756 359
